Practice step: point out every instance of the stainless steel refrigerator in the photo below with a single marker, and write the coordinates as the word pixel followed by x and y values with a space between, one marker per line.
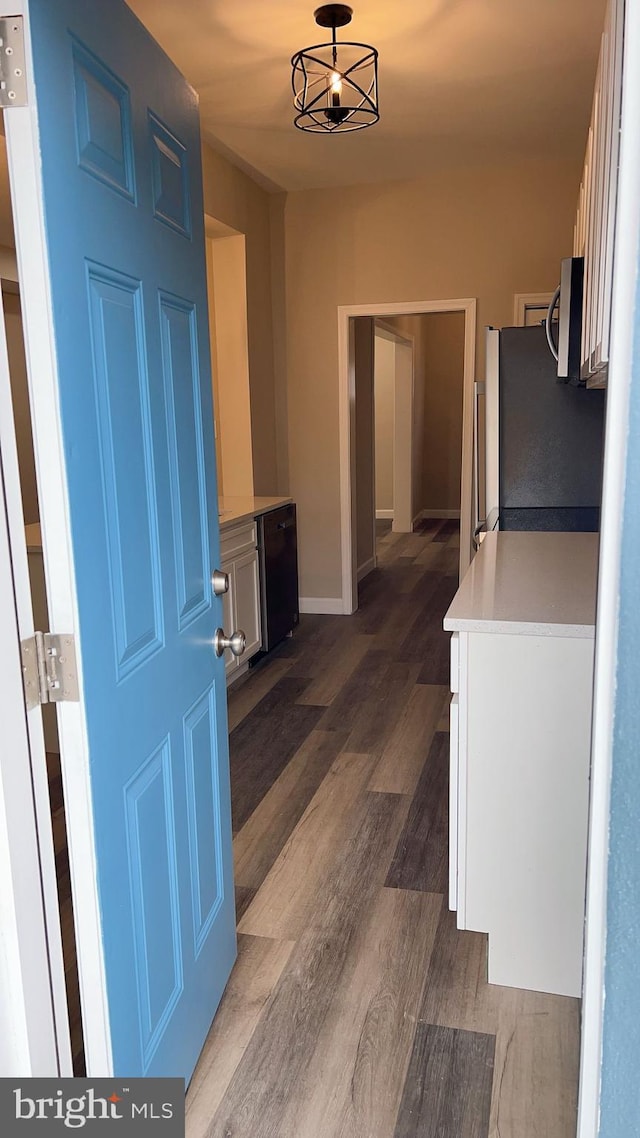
pixel 538 441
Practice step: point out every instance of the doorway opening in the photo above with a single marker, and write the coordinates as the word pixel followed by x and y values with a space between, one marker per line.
pixel 430 452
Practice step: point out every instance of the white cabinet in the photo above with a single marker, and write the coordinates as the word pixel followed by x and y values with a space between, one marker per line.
pixel 241 604
pixel 595 219
pixel 522 674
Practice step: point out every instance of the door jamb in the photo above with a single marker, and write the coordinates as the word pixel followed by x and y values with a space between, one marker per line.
pixel 625 270
pixel 346 393
pixel 23 153
pixel 30 759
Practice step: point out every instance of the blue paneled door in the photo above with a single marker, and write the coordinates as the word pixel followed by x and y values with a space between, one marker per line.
pixel 122 192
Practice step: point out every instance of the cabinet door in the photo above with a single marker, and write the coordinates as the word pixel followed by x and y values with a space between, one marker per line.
pixel 229 616
pixel 246 587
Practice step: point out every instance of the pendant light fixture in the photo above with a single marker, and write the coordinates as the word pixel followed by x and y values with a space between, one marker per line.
pixel 335 85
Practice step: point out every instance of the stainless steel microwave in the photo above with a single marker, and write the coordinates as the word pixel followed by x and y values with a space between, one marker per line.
pixel 568 299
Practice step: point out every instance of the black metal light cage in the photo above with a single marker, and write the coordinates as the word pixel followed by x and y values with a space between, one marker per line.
pixel 335 87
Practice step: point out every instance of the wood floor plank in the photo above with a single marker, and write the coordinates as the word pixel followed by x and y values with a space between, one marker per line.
pixel 405 753
pixel 535 1084
pixel 371 701
pixel 448 1086
pixel 243 696
pixel 271 1070
pixel 361 686
pixel 260 841
pixel 317 652
pixel 353 1083
pixel 537 1036
pixel 336 668
pixel 394 547
pixel 286 902
pixel 257 970
pixel 244 897
pixel 449 528
pixel 421 858
pixel 426 642
pixel 444 722
pixel 263 743
pixel 373 722
pixel 456 993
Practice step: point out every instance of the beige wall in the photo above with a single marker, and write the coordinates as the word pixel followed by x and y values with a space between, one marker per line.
pixel 384 392
pixel 365 503
pixel 227 286
pixel 233 198
pixel 21 409
pixel 443 346
pixel 486 233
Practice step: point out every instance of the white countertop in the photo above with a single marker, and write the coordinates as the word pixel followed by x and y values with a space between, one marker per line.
pixel 232 510
pixel 540 584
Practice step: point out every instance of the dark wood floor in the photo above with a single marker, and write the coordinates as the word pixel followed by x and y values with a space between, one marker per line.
pixel 356 1009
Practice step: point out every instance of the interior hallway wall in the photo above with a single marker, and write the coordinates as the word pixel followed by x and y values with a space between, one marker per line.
pixel 365 501
pixel 21 409
pixel 384 392
pixel 443 351
pixel 235 199
pixel 486 232
pixel 227 290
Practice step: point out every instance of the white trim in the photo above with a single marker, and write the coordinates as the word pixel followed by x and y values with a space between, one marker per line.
pixel 382 514
pixel 23 150
pixel 524 300
pixel 35 759
pixel 28 1044
pixel 237 673
pixel 625 282
pixel 346 402
pixel 327 606
pixel 364 570
pixel 438 514
pixel 388 332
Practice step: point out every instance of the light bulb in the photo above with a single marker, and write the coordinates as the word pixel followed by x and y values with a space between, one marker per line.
pixel 336 82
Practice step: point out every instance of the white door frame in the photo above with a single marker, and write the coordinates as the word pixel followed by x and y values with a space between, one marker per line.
pixel 28 1042
pixel 346 384
pixel 23 152
pixel 523 301
pixel 626 260
pixel 29 755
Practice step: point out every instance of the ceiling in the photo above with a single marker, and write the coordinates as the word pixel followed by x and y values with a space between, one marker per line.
pixel 462 82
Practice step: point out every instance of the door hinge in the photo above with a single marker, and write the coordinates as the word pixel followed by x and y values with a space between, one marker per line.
pixel 13 80
pixel 49 669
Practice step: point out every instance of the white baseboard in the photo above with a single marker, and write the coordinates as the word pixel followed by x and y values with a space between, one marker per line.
pixel 366 568
pixel 329 606
pixel 384 514
pixel 438 514
pixel 237 673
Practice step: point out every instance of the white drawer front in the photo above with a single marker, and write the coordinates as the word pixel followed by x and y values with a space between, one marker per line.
pixel 454 780
pixel 241 539
pixel 455 662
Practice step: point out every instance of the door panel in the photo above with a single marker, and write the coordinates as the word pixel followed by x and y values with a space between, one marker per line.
pixel 123 213
pixel 247 600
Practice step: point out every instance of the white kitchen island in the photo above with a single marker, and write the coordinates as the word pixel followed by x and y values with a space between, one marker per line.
pixel 523 624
